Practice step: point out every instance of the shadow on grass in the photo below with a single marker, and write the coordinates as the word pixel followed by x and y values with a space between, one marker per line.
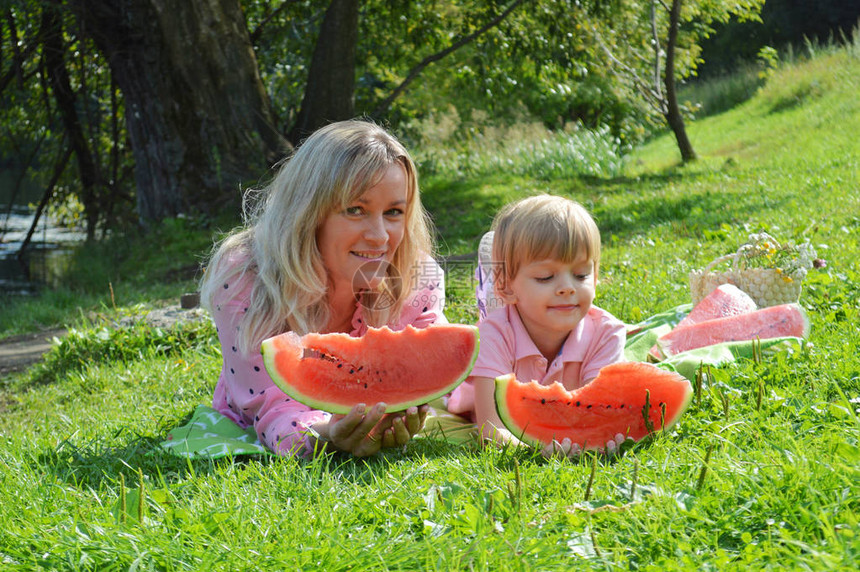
pixel 95 464
pixel 623 206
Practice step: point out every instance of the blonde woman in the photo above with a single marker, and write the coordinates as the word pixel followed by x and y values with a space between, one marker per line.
pixel 339 241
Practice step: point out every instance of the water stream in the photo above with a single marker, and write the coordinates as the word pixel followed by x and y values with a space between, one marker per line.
pixel 47 256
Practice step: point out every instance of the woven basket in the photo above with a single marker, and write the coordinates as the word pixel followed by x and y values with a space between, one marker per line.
pixel 766 286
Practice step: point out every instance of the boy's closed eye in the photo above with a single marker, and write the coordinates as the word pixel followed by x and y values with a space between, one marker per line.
pixel 579 277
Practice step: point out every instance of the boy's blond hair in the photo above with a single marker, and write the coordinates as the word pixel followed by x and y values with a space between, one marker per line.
pixel 539 228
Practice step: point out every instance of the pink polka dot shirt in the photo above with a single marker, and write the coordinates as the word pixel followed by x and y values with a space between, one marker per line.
pixel 246 394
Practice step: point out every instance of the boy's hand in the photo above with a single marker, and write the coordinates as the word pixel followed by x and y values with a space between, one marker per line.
pixel 563 449
pixel 617 446
pixel 570 450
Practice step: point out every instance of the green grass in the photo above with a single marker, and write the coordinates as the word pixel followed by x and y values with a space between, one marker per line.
pixel 119 272
pixel 762 472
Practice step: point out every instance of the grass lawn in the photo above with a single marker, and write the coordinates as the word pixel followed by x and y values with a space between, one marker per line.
pixel 762 472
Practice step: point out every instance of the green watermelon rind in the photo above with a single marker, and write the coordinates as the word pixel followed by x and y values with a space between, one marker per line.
pixel 269 352
pixel 518 431
pixel 521 431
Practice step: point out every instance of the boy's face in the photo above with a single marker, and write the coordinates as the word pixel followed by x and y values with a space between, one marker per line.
pixel 552 296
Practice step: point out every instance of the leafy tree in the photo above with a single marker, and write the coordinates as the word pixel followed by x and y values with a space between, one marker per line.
pixel 655 43
pixel 57 102
pixel 198 118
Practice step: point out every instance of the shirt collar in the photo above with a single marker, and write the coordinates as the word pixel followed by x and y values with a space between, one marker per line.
pixel 574 346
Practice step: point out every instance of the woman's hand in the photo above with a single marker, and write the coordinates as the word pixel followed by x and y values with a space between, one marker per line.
pixel 364 434
pixel 398 428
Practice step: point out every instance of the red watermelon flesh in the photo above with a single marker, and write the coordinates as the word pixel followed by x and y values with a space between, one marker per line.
pixel 772 322
pixel 614 402
pixel 334 372
pixel 724 300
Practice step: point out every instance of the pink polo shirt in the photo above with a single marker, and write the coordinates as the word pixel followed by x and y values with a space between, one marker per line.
pixel 597 341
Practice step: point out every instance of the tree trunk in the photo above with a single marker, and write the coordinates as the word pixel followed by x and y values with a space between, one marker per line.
pixel 673 112
pixel 54 50
pixel 330 91
pixel 198 117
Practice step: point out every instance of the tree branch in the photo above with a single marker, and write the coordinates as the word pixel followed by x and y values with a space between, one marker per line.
pixel 258 31
pixel 59 167
pixel 655 97
pixel 416 71
pixel 19 56
pixel 656 37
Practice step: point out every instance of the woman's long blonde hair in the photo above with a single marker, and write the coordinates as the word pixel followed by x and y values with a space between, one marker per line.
pixel 278 247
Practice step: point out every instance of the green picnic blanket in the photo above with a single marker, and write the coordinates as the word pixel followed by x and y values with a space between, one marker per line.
pixel 208 434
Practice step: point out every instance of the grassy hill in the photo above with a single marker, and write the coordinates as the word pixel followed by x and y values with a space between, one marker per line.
pixel 763 471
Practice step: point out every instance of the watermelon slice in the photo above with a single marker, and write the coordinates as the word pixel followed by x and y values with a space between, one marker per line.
pixel 786 320
pixel 614 402
pixel 334 372
pixel 724 300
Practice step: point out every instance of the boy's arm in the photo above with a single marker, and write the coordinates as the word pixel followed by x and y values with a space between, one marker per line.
pixel 486 416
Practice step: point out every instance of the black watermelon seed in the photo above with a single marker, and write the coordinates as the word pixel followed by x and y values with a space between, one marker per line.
pixel 340 365
pixel 543 400
pixel 589 407
pixel 577 403
pixel 365 386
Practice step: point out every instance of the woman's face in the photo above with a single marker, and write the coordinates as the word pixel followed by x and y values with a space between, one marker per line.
pixel 366 234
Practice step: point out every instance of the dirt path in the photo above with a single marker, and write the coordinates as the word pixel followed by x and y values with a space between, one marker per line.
pixel 20 352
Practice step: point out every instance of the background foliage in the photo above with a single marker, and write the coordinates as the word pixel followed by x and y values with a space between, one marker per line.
pixel 542 64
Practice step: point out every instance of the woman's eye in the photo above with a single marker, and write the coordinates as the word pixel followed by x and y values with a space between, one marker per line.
pixel 353 211
pixel 394 212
